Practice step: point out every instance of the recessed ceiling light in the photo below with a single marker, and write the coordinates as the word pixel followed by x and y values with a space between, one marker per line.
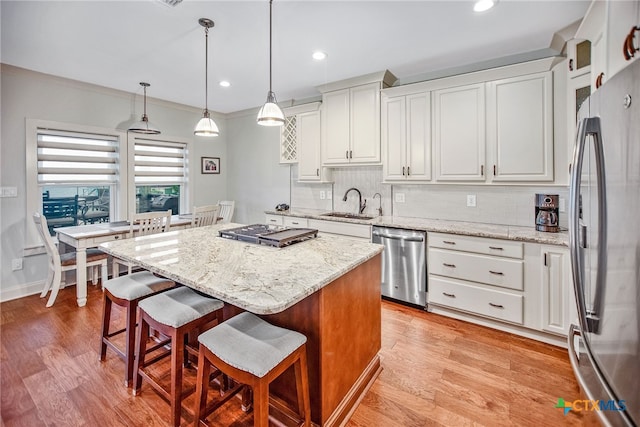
pixel 482 5
pixel 319 55
pixel 225 83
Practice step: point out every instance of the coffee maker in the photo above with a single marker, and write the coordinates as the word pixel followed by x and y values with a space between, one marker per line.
pixel 547 212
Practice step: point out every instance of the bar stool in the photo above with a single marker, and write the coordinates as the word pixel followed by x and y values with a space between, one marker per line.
pixel 175 313
pixel 127 291
pixel 252 352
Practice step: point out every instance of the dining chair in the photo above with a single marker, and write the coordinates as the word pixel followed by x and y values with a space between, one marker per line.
pixel 144 223
pixel 205 215
pixel 60 263
pixel 226 210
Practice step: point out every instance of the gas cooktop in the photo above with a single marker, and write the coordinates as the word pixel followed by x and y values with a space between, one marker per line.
pixel 269 235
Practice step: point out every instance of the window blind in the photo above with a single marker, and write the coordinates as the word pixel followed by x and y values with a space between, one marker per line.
pixel 159 162
pixel 68 157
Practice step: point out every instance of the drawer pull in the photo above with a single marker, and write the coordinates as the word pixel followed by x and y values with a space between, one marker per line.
pixel 295 222
pixel 449 265
pixel 449 295
pixel 448 242
pixel 496 305
pixel 116 237
pixel 499 273
pixel 497 248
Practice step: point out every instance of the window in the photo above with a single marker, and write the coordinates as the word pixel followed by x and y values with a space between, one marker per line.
pixel 160 174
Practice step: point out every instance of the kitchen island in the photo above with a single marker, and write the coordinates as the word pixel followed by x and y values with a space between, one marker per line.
pixel 327 288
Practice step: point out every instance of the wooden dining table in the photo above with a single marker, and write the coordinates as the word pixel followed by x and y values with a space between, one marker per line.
pixel 83 237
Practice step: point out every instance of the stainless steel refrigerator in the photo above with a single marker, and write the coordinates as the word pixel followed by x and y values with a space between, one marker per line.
pixel 604 229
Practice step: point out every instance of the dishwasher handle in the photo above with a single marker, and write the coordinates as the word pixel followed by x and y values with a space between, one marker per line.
pixel 398 237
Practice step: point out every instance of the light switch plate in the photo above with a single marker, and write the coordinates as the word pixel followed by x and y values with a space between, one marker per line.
pixel 399 197
pixel 561 205
pixel 329 195
pixel 323 195
pixel 471 200
pixel 9 192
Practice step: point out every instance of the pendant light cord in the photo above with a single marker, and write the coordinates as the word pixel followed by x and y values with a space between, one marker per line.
pixel 270 44
pixel 206 69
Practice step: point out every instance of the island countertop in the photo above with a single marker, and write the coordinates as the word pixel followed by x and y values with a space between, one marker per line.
pixel 257 278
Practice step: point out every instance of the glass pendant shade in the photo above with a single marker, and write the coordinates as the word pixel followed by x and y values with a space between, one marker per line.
pixel 271 114
pixel 144 126
pixel 206 126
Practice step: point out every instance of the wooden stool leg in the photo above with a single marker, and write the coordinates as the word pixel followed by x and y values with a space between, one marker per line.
pixel 302 386
pixel 142 334
pixel 247 399
pixel 106 319
pixel 177 359
pixel 261 404
pixel 202 385
pixel 130 337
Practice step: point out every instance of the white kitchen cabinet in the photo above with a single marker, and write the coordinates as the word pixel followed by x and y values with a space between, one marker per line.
pixel 351 125
pixel 520 128
pixel 292 221
pixel 406 137
pixel 578 57
pixel 481 276
pixel 309 158
pixel 557 293
pixel 459 133
pixel 274 219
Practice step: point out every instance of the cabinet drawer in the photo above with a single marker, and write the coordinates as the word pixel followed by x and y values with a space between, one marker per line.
pixel 504 272
pixel 274 219
pixel 467 297
pixel 480 245
pixel 291 221
pixel 110 238
pixel 344 228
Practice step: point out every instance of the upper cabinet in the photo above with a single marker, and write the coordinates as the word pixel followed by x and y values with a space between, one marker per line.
pixel 613 30
pixel 459 133
pixel 406 137
pixel 351 120
pixel 520 128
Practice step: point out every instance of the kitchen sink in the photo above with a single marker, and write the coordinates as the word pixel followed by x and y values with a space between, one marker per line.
pixel 347 215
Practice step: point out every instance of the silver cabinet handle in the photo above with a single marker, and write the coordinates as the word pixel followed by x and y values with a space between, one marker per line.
pixel 295 223
pixel 497 273
pixel 408 170
pixel 403 171
pixel 449 295
pixel 346 154
pixel 449 265
pixel 496 305
pixel 397 237
pixel 116 237
pixel 448 242
pixel 496 248
pixel 317 172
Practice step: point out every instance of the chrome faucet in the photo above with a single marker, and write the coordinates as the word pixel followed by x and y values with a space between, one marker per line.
pixel 360 204
pixel 380 205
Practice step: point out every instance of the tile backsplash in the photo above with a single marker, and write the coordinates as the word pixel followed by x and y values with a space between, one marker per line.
pixel 495 204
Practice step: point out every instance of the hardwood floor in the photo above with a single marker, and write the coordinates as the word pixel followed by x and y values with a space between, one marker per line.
pixel 436 371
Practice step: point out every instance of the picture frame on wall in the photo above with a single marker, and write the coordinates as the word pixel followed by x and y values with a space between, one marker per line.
pixel 210 165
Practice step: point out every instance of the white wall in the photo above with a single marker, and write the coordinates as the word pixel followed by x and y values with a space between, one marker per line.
pixel 26 94
pixel 256 179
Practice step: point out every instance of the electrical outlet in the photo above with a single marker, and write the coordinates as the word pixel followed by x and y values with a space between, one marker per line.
pixel 16 264
pixel 471 200
pixel 323 195
pixel 399 197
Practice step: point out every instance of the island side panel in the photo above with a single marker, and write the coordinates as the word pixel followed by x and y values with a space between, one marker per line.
pixel 350 313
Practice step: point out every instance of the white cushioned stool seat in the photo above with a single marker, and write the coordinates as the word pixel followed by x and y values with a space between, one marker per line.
pixel 137 285
pixel 251 344
pixel 179 306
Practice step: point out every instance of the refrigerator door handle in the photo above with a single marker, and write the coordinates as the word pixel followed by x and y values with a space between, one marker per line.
pixel 589 320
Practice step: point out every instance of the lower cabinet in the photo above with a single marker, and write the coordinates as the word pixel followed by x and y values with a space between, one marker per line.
pixel 524 288
pixel 358 231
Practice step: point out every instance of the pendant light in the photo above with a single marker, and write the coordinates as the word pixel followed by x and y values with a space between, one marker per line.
pixel 143 126
pixel 270 114
pixel 206 126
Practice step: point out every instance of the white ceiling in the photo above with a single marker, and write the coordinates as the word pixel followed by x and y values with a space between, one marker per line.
pixel 118 44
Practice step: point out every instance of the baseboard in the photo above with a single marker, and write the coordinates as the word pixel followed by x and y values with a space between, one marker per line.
pixel 21 291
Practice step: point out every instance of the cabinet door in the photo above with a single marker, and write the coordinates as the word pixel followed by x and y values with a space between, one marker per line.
pixel 365 123
pixel 335 127
pixel 308 134
pixel 621 17
pixel 556 290
pixel 520 128
pixel 459 133
pixel 578 57
pixel 418 136
pixel 394 138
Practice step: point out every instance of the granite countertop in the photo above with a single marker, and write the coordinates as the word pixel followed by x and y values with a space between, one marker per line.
pixel 495 231
pixel 257 278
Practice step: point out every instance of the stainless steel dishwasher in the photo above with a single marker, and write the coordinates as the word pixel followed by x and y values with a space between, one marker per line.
pixel 404 264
